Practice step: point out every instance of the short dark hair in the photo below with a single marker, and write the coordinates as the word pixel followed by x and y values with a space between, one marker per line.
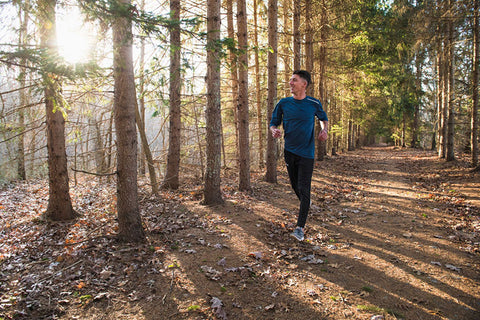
pixel 304 75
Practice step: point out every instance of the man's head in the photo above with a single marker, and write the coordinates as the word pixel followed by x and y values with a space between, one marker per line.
pixel 299 82
pixel 305 75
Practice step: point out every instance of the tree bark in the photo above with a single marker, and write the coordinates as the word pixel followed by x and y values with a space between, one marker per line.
pixel 271 170
pixel 322 145
pixel 212 193
pixel 242 106
pixel 173 161
pixel 296 35
pixel 287 39
pixel 141 99
pixel 129 220
pixel 59 202
pixel 450 155
pixel 258 89
pixel 418 90
pixel 350 136
pixel 309 59
pixel 147 151
pixel 474 116
pixel 23 17
pixel 232 61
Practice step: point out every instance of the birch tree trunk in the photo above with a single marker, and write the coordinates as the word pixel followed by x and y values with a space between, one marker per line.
pixel 129 220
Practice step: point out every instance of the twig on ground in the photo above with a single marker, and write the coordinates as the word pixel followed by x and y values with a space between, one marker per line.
pixel 171 286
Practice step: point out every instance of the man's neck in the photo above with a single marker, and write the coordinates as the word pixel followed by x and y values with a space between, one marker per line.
pixel 300 96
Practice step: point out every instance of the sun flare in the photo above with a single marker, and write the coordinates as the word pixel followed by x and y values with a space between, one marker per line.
pixel 73 37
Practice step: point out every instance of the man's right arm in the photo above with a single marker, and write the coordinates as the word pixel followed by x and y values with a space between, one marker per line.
pixel 276 120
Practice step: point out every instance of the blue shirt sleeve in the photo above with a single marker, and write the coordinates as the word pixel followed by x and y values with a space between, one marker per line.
pixel 320 114
pixel 277 115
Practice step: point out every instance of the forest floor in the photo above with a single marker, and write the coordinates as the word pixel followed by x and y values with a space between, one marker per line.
pixel 392 234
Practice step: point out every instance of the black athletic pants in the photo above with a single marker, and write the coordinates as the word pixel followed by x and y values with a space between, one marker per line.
pixel 300 172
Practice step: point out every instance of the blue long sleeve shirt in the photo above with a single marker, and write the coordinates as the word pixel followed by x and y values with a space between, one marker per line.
pixel 298 119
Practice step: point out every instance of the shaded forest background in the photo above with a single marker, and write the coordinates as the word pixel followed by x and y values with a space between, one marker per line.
pixel 197 81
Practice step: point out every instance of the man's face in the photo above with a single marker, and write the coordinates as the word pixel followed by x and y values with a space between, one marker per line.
pixel 298 85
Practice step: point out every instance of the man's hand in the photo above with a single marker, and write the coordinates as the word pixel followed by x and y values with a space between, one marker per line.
pixel 323 135
pixel 276 133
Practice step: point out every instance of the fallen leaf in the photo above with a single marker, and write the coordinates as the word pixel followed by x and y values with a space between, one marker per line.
pixel 217 306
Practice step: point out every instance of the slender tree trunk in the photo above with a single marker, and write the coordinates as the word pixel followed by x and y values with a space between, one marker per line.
pixel 23 17
pixel 147 151
pixel 257 88
pixel 129 220
pixel 212 193
pixel 309 62
pixel 451 89
pixel 475 62
pixel 296 35
pixel 242 106
pixel 418 89
pixel 109 142
pixel 232 61
pixel 440 106
pixel 271 173
pixel 322 83
pixel 444 100
pixel 173 160
pixel 99 151
pixel 350 136
pixel 59 202
pixel 141 100
pixel 286 40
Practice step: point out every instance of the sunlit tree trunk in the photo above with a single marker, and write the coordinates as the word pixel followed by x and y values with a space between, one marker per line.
pixel 350 136
pixel 322 61
pixel 242 106
pixel 296 35
pixel 257 88
pixel 474 116
pixel 129 220
pixel 287 72
pixel 309 45
pixel 146 150
pixel 59 202
pixel 450 152
pixel 418 90
pixel 232 61
pixel 173 160
pixel 141 99
pixel 212 193
pixel 271 170
pixel 444 106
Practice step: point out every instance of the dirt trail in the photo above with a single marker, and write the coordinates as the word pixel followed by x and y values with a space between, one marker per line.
pixel 390 233
pixel 403 244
